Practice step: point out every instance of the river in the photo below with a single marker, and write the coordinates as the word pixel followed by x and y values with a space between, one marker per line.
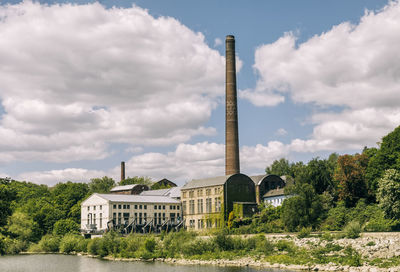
pixel 69 263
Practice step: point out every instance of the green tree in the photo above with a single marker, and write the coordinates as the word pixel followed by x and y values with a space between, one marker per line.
pixel 279 167
pixel 101 185
pixel 23 227
pixel 136 180
pixel 64 226
pixel 386 157
pixel 66 195
pixel 388 194
pixel 350 174
pixel 305 208
pixel 7 195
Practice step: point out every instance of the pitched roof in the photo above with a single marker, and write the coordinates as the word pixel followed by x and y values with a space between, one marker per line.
pixel 257 179
pixel 275 192
pixel 197 183
pixel 138 198
pixel 123 187
pixel 174 192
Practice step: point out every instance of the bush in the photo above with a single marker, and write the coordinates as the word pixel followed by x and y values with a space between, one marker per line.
pixel 285 245
pixel 263 245
pixel 15 246
pixel 223 242
pixel 72 243
pixel 352 230
pixel 65 226
pixel 150 244
pixel 49 243
pixel 304 232
pixel 174 242
pixel 198 247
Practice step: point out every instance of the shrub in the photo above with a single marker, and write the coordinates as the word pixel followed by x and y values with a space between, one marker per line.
pixel 71 243
pixel 263 245
pixel 197 247
pixel 304 232
pixel 150 244
pixel 64 226
pixel 223 241
pixel 370 243
pixel 174 242
pixel 352 230
pixel 285 245
pixel 352 257
pixel 49 243
pixel 96 247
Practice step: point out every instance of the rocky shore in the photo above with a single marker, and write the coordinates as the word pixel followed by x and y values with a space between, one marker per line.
pixel 369 246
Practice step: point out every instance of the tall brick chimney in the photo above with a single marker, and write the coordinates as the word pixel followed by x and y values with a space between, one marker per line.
pixel 122 171
pixel 231 116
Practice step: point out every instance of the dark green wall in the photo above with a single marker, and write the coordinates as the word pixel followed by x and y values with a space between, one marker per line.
pixel 238 188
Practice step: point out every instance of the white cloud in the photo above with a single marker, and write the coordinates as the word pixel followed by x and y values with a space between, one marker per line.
pixel 281 132
pixel 355 68
pixel 217 42
pixel 74 79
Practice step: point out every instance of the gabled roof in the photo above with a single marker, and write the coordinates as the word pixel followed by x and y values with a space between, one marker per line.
pixel 174 192
pixel 123 187
pixel 214 181
pixel 275 192
pixel 138 198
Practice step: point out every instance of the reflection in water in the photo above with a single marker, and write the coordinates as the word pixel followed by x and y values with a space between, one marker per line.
pixel 66 263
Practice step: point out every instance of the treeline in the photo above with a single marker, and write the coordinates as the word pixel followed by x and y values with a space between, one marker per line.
pixel 328 194
pixel 29 211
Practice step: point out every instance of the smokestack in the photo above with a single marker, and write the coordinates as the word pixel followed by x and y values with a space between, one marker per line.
pixel 122 171
pixel 231 116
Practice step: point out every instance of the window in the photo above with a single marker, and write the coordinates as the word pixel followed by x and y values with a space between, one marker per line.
pixel 191 206
pixel 200 192
pixel 155 219
pixel 191 194
pixel 163 207
pixel 159 207
pixel 101 207
pixel 217 204
pixel 88 208
pixel 183 194
pixel 145 207
pixel 94 208
pixel 163 216
pixel 208 205
pixel 200 206
pixel 135 206
pixel 140 207
pixel 128 206
pixel 215 191
pixel 191 224
pixel 88 218
pixel 200 223
pixel 94 218
pixel 101 220
pixel 114 215
pixel 114 206
pixel 140 218
pixel 184 207
pixel 209 223
pixel 124 206
pixel 145 217
pixel 208 192
pixel 135 215
pixel 119 206
pixel 177 207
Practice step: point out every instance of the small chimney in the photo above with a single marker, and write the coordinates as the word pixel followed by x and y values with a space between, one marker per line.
pixel 122 171
pixel 231 115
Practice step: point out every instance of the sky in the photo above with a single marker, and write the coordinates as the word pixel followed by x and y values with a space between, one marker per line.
pixel 85 85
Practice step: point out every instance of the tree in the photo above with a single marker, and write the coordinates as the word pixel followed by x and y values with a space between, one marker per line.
pixel 388 194
pixel 101 185
pixel 386 157
pixel 136 180
pixel 22 225
pixel 64 226
pixel 66 195
pixel 279 167
pixel 7 195
pixel 350 174
pixel 305 208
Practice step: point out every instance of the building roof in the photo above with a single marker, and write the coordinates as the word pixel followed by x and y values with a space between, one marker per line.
pixel 166 181
pixel 123 187
pixel 138 198
pixel 174 192
pixel 198 183
pixel 257 179
pixel 275 192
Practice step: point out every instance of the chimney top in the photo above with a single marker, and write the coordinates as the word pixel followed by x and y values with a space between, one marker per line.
pixel 230 37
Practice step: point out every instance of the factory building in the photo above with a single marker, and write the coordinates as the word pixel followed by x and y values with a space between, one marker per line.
pixel 129 213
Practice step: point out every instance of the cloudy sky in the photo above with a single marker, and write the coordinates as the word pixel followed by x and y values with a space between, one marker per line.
pixel 85 85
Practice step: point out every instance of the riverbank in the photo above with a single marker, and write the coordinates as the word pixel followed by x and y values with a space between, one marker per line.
pixel 318 252
pixel 377 252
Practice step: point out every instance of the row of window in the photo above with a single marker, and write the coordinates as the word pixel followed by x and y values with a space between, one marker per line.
pixel 204 223
pixel 200 206
pixel 94 207
pixel 141 218
pixel 91 219
pixel 144 207
pixel 275 201
pixel 199 192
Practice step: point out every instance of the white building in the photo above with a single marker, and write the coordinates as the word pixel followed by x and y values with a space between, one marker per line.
pixel 101 211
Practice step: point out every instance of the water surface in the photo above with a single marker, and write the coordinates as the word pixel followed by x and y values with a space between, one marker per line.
pixel 69 263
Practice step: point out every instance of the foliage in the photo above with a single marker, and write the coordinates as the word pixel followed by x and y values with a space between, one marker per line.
pixel 101 185
pixel 64 226
pixel 7 195
pixel 303 209
pixel 73 243
pixel 23 227
pixel 304 232
pixel 352 230
pixel 350 174
pixel 388 194
pixel 137 180
pixel 279 167
pixel 48 243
